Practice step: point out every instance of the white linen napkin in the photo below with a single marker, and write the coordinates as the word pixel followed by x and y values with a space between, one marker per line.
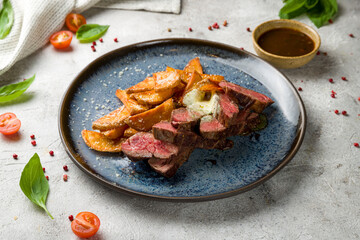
pixel 36 20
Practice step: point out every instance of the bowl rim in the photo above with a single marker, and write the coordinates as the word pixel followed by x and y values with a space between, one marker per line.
pixel 317 42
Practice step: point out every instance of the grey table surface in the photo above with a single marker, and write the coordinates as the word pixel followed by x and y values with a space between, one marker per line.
pixel 316 196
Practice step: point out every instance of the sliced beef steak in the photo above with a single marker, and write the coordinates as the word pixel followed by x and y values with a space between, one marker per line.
pixel 211 128
pixel 221 144
pixel 167 167
pixel 228 110
pixel 142 146
pixel 184 119
pixel 166 132
pixel 246 97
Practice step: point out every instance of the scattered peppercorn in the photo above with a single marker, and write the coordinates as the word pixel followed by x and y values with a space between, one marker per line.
pixel 343 78
pixel 344 113
pixel 33 143
pixel 351 35
pixel 216 25
pixel 331 80
pixel 336 111
pixel 65 167
pixel 169 29
pixel 248 29
pixel 32 136
pixel 51 153
pixel 325 53
pixel 47 178
pixel 225 23
pixel 300 89
pixel 333 95
pixel 190 29
pixel 94 43
pixel 43 169
pixel 93 48
pixel 241 48
pixel 115 40
pixel 356 145
pixel 318 53
pixel 210 28
pixel 71 218
pixel 333 92
pixel 359 98
pixel 330 21
pixel 65 177
pixel 15 156
pixel 101 40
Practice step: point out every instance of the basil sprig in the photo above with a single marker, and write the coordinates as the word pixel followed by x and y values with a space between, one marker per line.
pixel 6 19
pixel 319 11
pixel 12 91
pixel 88 33
pixel 33 183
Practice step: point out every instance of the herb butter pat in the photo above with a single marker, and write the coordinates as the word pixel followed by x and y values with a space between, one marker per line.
pixel 194 100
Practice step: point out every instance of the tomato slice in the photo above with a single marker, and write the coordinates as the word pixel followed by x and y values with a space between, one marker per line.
pixel 85 224
pixel 61 39
pixel 74 21
pixel 9 123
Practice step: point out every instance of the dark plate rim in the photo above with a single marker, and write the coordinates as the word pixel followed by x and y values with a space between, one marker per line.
pixel 77 159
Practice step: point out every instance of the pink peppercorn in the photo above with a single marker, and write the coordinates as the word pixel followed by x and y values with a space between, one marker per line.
pixel 331 80
pixel 94 43
pixel 242 48
pixel 71 218
pixel 333 95
pixel 115 40
pixel 51 153
pixel 300 89
pixel 210 28
pixel 358 98
pixel 344 113
pixel 47 178
pixel 190 29
pixel 32 136
pixel 248 29
pixel 318 53
pixel 65 177
pixel 65 167
pixel 216 25
pixel 343 78
pixel 336 111
pixel 356 145
pixel 15 156
pixel 330 21
pixel 101 40
pixel 43 169
pixel 225 23
pixel 33 143
pixel 351 35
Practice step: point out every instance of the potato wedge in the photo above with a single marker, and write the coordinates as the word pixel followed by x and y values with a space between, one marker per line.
pixel 194 65
pixel 129 132
pixel 112 120
pixel 132 105
pixel 207 86
pixel 184 76
pixel 99 142
pixel 152 97
pixel 144 121
pixel 195 78
pixel 166 80
pixel 213 78
pixel 115 132
pixel 146 85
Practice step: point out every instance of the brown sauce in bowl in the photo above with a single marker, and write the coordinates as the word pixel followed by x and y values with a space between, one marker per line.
pixel 286 42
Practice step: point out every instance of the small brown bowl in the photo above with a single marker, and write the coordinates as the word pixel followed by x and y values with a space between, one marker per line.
pixel 285 61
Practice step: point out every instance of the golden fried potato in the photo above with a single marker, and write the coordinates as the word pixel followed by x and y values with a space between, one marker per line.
pixel 132 105
pixel 144 121
pixel 99 142
pixel 152 97
pixel 147 85
pixel 112 120
pixel 115 132
pixel 184 76
pixel 129 132
pixel 166 80
pixel 207 86
pixel 195 78
pixel 194 65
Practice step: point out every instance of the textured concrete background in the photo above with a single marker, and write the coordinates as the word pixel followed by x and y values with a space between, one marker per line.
pixel 315 197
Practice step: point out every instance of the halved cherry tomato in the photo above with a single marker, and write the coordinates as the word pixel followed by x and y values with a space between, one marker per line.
pixel 85 224
pixel 9 123
pixel 61 39
pixel 74 21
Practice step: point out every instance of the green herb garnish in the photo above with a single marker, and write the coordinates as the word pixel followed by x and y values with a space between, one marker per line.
pixel 33 183
pixel 319 11
pixel 12 91
pixel 6 19
pixel 88 33
pixel 262 124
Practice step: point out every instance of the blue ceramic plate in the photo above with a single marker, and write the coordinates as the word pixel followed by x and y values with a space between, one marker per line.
pixel 208 174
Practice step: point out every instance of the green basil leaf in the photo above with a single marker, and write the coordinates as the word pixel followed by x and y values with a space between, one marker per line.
pixel 262 124
pixel 91 32
pixel 33 183
pixel 292 9
pixel 6 19
pixel 323 12
pixel 311 3
pixel 12 91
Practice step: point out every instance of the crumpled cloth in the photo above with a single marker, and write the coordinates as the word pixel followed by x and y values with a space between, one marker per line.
pixel 36 20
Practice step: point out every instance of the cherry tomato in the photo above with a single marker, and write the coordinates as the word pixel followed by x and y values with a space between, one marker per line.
pixel 85 224
pixel 74 21
pixel 61 39
pixel 9 123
